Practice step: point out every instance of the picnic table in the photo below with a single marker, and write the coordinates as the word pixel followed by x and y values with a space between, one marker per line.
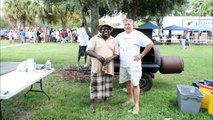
pixel 14 82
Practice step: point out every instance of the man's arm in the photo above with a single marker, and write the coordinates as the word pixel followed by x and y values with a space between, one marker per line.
pixel 95 55
pixel 107 60
pixel 144 52
pixel 147 49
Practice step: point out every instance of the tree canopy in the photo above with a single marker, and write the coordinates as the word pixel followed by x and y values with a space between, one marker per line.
pixel 134 9
pixel 89 11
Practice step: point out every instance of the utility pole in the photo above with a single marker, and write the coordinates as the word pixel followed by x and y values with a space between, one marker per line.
pixel 200 9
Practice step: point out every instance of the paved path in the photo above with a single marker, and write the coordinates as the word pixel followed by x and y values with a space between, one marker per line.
pixel 6 67
pixel 14 45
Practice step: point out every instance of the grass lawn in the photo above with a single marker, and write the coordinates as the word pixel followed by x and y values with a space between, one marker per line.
pixel 70 100
pixel 5 42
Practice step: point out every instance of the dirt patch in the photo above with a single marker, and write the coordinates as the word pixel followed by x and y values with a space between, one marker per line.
pixel 78 74
pixel 75 74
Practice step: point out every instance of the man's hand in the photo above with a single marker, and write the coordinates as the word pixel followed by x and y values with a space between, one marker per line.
pixel 101 59
pixel 137 57
pixel 95 55
pixel 145 51
pixel 107 60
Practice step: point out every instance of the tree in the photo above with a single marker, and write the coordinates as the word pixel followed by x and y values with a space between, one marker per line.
pixel 142 9
pixel 148 9
pixel 192 8
pixel 207 9
pixel 55 11
pixel 44 11
pixel 66 10
pixel 17 12
pixel 5 24
pixel 93 7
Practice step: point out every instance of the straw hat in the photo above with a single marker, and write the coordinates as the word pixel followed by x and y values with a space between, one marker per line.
pixel 105 25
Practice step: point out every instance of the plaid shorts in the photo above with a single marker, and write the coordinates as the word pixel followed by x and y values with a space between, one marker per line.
pixel 101 86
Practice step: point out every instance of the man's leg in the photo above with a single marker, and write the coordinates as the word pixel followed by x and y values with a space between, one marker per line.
pixel 92 109
pixel 130 92
pixel 79 54
pixel 85 60
pixel 79 57
pixel 78 64
pixel 183 43
pixel 136 92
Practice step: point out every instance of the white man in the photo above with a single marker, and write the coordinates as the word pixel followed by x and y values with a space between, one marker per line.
pixel 130 41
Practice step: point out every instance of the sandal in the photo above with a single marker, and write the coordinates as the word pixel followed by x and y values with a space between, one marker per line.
pixel 135 110
pixel 128 103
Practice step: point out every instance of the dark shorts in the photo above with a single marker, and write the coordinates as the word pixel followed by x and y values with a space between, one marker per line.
pixel 82 50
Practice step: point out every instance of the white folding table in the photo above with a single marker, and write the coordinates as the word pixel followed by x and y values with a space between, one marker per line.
pixel 14 82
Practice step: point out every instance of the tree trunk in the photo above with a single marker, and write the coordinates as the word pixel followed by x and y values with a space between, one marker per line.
pixel 18 22
pixel 23 24
pixel 64 22
pixel 132 12
pixel 84 10
pixel 83 16
pixel 46 22
pixel 94 17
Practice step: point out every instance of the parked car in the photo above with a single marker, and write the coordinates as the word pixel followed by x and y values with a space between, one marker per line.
pixel 4 34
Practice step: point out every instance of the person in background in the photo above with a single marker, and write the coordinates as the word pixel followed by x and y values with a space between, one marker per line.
pixel 162 35
pixel 15 35
pixel 130 41
pixel 183 41
pixel 57 35
pixel 83 40
pixel 169 40
pixel 30 34
pixel 103 49
pixel 62 36
pixel 66 35
pixel 170 34
pixel 39 34
pixel 35 37
pixel 22 35
pixel 74 35
pixel 188 40
pixel 52 36
pixel 191 36
pixel 10 34
pixel 70 35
